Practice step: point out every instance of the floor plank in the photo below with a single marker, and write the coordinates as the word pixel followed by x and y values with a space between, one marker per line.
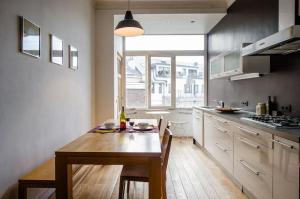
pixel 190 175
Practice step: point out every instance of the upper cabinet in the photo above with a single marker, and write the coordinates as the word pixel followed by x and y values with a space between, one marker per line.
pixel 216 67
pixel 230 64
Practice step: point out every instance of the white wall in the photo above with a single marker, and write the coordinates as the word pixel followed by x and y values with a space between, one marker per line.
pixel 107 46
pixel 42 105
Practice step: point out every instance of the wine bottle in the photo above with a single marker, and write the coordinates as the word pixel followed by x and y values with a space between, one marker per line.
pixel 122 119
pixel 269 106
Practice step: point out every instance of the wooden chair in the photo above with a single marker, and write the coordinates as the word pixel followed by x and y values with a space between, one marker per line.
pixel 160 122
pixel 140 173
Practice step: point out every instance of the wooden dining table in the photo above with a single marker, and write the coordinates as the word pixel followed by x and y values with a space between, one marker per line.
pixel 117 148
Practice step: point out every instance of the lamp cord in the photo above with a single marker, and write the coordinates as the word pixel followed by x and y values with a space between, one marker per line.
pixel 128 5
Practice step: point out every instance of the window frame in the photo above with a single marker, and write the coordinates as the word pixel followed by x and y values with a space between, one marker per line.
pixel 172 54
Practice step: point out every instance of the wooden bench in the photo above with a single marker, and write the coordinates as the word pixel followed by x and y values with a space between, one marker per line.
pixel 43 177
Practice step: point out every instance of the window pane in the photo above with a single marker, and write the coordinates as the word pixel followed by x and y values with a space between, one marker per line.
pixel 189 81
pixel 165 42
pixel 160 81
pixel 135 82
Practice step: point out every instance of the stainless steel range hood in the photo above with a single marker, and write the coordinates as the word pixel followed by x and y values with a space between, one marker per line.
pixel 287 40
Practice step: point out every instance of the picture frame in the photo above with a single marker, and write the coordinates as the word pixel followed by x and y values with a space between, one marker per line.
pixel 30 38
pixel 73 58
pixel 56 50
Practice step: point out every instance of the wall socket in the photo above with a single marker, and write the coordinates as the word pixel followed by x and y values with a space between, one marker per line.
pixel 286 109
pixel 245 103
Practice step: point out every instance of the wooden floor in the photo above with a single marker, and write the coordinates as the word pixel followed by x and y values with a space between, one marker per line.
pixel 191 175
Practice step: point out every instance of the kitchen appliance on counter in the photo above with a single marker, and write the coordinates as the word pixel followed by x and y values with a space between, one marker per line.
pixel 282 122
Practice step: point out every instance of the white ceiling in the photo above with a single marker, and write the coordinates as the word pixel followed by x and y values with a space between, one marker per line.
pixel 165 0
pixel 159 6
pixel 176 23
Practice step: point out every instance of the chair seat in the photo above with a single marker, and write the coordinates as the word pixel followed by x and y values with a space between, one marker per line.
pixel 135 172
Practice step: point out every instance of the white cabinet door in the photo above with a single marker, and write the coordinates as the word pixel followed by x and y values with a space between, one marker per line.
pixel 218 142
pixel 286 169
pixel 253 160
pixel 198 126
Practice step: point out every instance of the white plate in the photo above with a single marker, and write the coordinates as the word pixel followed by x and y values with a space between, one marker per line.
pixel 137 128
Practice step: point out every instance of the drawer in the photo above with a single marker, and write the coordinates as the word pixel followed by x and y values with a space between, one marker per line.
pixel 220 122
pixel 258 136
pixel 197 112
pixel 217 133
pixel 255 181
pixel 224 137
pixel 219 145
pixel 254 153
pixel 222 154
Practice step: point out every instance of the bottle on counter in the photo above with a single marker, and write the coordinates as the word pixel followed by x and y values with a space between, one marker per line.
pixel 122 119
pixel 269 106
pixel 261 109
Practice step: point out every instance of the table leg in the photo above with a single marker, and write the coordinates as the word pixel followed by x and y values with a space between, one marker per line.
pixel 155 187
pixel 63 176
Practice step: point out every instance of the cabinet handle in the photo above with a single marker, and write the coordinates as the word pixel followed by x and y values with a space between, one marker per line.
pixel 249 143
pixel 284 144
pixel 220 147
pixel 198 118
pixel 223 121
pixel 248 131
pixel 222 130
pixel 243 162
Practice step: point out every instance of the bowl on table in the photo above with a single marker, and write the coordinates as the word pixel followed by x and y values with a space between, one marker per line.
pixel 143 125
pixel 109 125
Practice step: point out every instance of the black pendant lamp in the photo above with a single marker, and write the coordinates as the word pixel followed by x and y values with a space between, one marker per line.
pixel 129 27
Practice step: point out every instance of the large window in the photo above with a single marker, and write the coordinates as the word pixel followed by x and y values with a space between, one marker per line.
pixel 135 82
pixel 189 78
pixel 161 81
pixel 165 71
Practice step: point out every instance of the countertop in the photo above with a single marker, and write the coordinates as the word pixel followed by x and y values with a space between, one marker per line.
pixel 290 134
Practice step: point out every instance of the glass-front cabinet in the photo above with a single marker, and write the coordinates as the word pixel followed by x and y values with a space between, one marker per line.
pixel 232 63
pixel 216 66
pixel 225 65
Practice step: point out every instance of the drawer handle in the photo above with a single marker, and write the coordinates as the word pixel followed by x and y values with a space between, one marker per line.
pixel 249 143
pixel 284 144
pixel 248 131
pixel 222 130
pixel 223 121
pixel 249 167
pixel 220 147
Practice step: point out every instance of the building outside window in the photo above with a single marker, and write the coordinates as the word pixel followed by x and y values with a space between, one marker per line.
pixel 174 77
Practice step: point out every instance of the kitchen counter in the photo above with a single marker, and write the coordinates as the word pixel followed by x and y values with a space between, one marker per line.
pixel 290 134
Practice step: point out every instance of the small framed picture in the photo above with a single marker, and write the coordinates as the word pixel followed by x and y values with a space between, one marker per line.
pixel 30 35
pixel 56 50
pixel 73 57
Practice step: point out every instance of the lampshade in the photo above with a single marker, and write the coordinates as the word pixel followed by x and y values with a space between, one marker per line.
pixel 129 27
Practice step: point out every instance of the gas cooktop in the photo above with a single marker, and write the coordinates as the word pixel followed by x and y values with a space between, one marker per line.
pixel 283 122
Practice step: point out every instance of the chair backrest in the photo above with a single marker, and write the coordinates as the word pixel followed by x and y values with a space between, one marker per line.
pixel 160 122
pixel 165 148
